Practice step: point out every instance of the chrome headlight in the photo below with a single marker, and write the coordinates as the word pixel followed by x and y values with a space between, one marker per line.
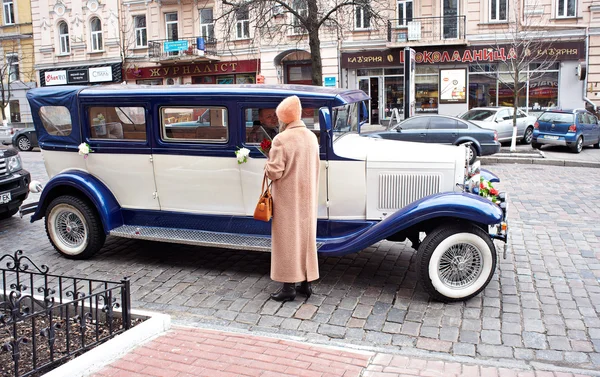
pixel 13 163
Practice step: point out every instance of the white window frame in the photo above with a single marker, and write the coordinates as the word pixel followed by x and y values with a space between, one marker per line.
pixel 96 39
pixel 301 7
pixel 360 16
pixel 207 29
pixel 565 15
pixel 13 75
pixel 64 42
pixel 242 26
pixel 497 19
pixel 167 23
pixel 8 9
pixel 141 32
pixel 402 20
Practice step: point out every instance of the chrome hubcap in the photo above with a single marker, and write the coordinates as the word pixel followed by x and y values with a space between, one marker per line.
pixel 528 136
pixel 579 144
pixel 24 143
pixel 470 153
pixel 70 228
pixel 460 266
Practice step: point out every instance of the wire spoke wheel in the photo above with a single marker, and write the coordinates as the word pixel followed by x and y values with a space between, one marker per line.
pixel 70 228
pixel 460 265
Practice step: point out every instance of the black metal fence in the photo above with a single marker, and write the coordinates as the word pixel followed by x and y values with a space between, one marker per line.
pixel 161 49
pixel 426 29
pixel 45 319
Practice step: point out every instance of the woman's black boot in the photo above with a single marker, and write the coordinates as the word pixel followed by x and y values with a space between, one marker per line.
pixel 305 289
pixel 286 293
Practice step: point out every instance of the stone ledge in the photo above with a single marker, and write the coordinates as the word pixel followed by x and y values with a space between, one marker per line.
pixel 538 161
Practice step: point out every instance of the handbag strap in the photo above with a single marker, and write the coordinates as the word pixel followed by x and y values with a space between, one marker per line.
pixel 264 182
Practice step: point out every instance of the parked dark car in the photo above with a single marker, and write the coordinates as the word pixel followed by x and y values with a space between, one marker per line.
pixel 25 139
pixel 572 128
pixel 444 130
pixel 14 182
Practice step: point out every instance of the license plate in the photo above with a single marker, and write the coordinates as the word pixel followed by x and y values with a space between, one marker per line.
pixel 551 137
pixel 5 197
pixel 4 132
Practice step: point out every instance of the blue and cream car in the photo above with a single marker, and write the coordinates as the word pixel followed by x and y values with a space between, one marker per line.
pixel 147 179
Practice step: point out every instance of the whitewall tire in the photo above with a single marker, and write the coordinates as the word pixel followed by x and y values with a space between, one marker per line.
pixel 456 263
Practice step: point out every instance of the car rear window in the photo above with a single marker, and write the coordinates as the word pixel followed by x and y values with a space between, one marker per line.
pixel 557 117
pixel 56 120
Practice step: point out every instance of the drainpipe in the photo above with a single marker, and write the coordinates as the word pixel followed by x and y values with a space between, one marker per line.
pixel 587 62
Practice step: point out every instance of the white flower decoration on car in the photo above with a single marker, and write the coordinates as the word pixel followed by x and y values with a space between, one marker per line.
pixel 84 149
pixel 242 155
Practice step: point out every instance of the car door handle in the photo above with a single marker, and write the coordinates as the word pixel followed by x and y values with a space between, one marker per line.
pixel 423 135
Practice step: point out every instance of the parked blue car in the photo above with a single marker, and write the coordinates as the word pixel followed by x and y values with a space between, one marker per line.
pixel 572 128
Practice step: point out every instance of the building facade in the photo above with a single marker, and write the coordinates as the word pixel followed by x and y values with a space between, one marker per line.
pixel 77 42
pixel 16 44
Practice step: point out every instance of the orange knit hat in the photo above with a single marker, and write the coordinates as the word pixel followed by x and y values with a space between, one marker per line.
pixel 289 110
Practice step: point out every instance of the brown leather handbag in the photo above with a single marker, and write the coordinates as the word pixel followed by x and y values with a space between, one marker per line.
pixel 264 207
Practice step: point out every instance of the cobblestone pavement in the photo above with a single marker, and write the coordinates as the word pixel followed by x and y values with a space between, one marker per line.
pixel 542 305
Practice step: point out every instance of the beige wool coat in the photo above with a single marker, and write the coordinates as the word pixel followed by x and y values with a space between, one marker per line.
pixel 293 166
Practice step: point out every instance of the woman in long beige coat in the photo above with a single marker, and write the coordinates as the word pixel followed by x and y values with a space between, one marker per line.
pixel 293 166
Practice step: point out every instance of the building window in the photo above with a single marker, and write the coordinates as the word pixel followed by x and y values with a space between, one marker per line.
pixel 12 61
pixel 242 23
pixel 63 36
pixel 363 17
pixel 96 34
pixel 405 11
pixel 141 36
pixel 498 10
pixel 15 112
pixel 301 7
pixel 172 26
pixel 566 8
pixel 207 26
pixel 9 12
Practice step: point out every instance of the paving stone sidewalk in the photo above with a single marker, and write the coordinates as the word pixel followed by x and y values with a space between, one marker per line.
pixel 189 352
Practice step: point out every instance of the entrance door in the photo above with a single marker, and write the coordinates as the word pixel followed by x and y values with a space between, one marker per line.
pixel 371 87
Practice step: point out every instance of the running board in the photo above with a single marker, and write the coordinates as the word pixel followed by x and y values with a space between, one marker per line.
pixel 194 237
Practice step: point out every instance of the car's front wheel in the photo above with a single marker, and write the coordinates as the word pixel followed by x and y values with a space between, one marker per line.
pixel 528 135
pixel 24 144
pixel 456 263
pixel 73 227
pixel 578 146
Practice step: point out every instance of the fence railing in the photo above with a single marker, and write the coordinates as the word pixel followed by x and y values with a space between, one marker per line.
pixel 46 318
pixel 426 29
pixel 196 46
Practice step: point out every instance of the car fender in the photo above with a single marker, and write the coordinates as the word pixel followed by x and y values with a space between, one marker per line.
pixel 489 176
pixel 466 139
pixel 461 206
pixel 91 187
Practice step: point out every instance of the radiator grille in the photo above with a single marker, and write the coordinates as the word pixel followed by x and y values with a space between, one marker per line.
pixel 399 190
pixel 3 170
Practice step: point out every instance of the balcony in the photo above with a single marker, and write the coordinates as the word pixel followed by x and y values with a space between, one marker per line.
pixel 196 48
pixel 426 30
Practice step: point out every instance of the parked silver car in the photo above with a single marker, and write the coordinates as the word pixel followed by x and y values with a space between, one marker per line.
pixel 500 119
pixel 6 135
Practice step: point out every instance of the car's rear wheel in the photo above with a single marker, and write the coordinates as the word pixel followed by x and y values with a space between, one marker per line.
pixel 528 135
pixel 471 152
pixel 578 146
pixel 73 227
pixel 456 263
pixel 24 144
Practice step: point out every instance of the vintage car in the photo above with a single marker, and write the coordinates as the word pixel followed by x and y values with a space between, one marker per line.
pixel 145 180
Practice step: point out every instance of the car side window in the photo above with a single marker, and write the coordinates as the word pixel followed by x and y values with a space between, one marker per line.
pixel 581 118
pixel 117 122
pixel 461 125
pixel 502 114
pixel 188 124
pixel 521 114
pixel 442 124
pixel 416 123
pixel 56 120
pixel 261 122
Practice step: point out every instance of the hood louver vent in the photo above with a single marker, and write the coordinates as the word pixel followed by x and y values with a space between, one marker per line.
pixel 398 190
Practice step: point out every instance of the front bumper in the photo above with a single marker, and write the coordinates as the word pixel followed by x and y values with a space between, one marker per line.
pixel 18 185
pixel 501 231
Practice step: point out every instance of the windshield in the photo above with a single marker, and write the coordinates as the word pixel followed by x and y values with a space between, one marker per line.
pixel 557 118
pixel 483 115
pixel 345 119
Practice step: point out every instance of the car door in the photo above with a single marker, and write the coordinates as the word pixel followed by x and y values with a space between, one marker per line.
pixel 442 130
pixel 521 123
pixel 413 129
pixel 504 121
pixel 595 128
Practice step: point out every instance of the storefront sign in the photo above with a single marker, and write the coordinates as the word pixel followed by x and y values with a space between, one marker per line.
pixel 199 69
pixel 474 54
pixel 453 86
pixel 173 46
pixel 56 77
pixel 100 74
pixel 79 76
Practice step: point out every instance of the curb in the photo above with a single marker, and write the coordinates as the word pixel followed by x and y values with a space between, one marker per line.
pixel 539 161
pixel 97 358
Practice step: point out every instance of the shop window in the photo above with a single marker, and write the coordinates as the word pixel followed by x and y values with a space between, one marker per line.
pixel 363 16
pixel 96 34
pixel 230 79
pixel 394 71
pixel 56 120
pixel 149 82
pixel 566 8
pixel 394 95
pixel 15 112
pixel 482 90
pixel 426 93
pixel 141 36
pixel 207 26
pixel 63 36
pixel 543 91
pixel 242 23
pixel 188 124
pixel 405 12
pixel 506 94
pixel 299 74
pixel 12 61
pixel 9 12
pixel 498 10
pixel 117 122
pixel 245 79
pixel 203 80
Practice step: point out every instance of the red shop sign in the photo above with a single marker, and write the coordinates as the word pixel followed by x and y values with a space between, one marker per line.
pixel 197 69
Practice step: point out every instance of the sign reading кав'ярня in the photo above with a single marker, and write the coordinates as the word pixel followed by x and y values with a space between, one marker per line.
pixel 472 54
